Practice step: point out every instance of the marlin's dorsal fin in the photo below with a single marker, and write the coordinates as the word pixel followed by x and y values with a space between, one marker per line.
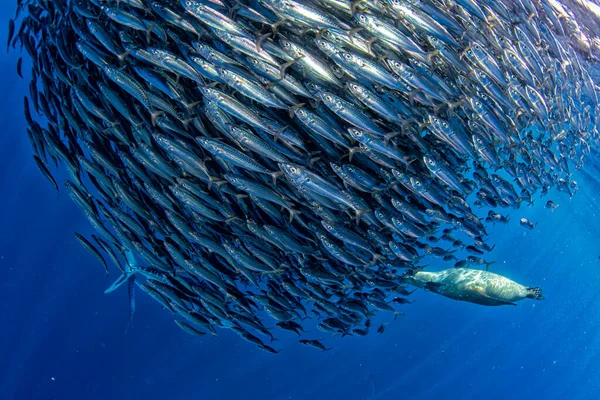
pixel 130 269
pixel 131 291
pixel 120 280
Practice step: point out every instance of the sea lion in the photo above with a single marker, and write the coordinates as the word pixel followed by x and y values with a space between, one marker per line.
pixel 472 285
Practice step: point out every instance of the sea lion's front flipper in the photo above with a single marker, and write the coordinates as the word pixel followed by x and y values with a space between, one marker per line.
pixel 502 302
pixel 493 301
pixel 433 287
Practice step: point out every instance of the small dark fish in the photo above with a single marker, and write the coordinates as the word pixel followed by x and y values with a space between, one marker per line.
pixel 550 204
pixel 381 328
pixel 20 66
pixel 90 247
pixel 268 348
pixel 11 32
pixel 290 326
pixel 402 300
pixel 360 331
pixel 189 329
pixel 46 172
pixel 524 222
pixel 314 343
pixel 474 250
pixel 480 261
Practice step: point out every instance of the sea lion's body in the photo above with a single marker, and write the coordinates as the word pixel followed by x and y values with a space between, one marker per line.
pixel 475 286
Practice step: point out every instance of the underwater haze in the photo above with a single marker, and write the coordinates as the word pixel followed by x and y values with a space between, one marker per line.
pixel 62 338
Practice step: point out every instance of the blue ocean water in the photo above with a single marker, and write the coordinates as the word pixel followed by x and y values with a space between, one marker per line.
pixel 62 338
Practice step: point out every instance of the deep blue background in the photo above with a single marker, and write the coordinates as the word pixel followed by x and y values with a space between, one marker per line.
pixel 62 338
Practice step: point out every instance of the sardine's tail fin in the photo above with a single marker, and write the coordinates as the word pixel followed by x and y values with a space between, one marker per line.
pixel 535 293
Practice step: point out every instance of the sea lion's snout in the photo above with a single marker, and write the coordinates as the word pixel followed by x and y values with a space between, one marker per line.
pixel 535 293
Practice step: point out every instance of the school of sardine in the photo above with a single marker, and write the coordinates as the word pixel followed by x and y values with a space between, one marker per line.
pixel 268 162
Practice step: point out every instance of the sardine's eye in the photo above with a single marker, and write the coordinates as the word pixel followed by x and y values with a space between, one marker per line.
pixel 477 104
pixel 286 44
pixel 293 170
pixel 347 56
pixel 445 124
pixel 329 98
pixel 362 17
pixel 470 52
